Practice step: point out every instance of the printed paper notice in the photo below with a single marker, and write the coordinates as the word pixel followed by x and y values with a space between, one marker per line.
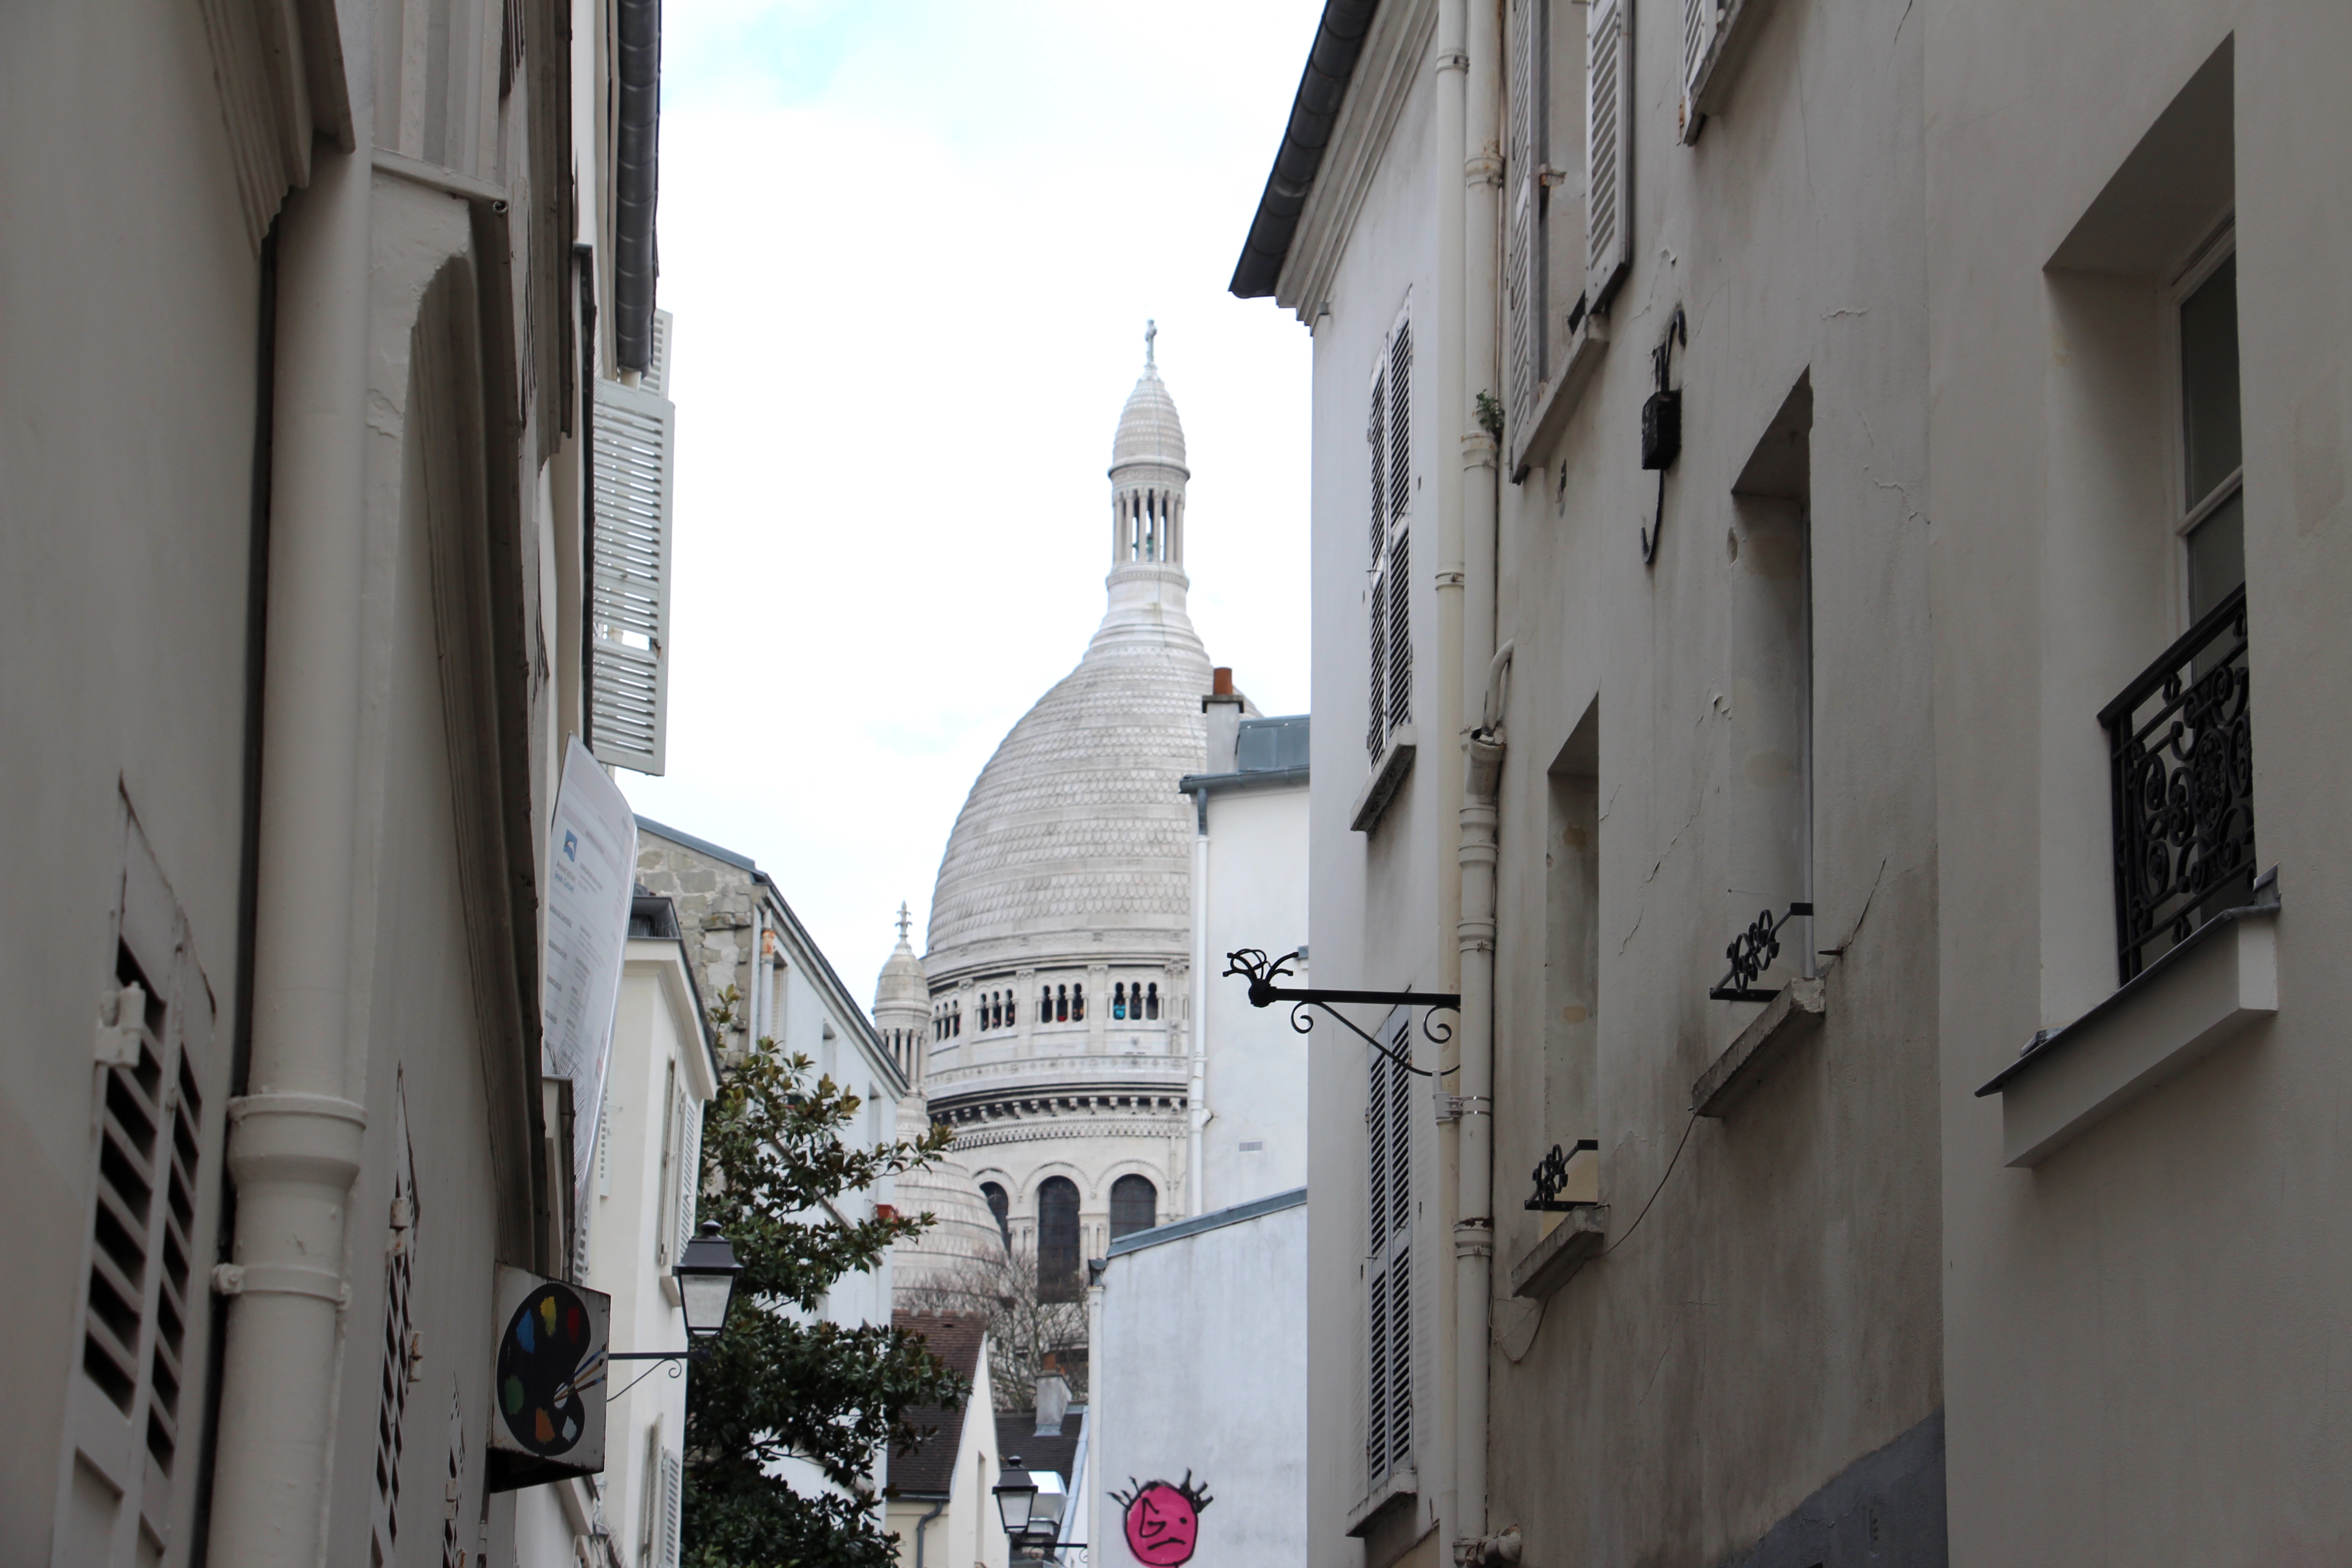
pixel 591 873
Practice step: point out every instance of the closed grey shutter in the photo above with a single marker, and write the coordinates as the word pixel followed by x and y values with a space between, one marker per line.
pixel 1700 19
pixel 1400 575
pixel 1375 436
pixel 672 1504
pixel 1524 249
pixel 1609 146
pixel 628 601
pixel 1388 1267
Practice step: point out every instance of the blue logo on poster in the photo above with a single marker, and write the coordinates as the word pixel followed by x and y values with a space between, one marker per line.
pixel 571 845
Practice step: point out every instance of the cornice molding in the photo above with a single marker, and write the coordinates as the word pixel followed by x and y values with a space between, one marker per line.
pixel 1399 46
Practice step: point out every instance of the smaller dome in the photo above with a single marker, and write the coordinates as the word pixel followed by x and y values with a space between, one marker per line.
pixel 1149 430
pixel 902 982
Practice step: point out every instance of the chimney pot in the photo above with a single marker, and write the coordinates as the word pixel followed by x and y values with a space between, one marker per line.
pixel 1221 681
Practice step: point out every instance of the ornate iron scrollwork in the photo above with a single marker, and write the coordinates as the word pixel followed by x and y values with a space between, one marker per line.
pixel 1252 965
pixel 1551 1178
pixel 2180 738
pixel 1751 952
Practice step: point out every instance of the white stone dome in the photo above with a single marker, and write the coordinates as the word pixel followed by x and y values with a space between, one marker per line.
pixel 1149 430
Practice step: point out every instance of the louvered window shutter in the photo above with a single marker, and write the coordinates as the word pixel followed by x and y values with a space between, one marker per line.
pixel 1388 1268
pixel 1524 248
pixel 673 1135
pixel 628 602
pixel 1700 19
pixel 1609 146
pixel 689 1172
pixel 145 1311
pixel 673 1505
pixel 1399 576
pixel 1375 436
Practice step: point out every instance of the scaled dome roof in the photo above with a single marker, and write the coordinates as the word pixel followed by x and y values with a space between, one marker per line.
pixel 1149 430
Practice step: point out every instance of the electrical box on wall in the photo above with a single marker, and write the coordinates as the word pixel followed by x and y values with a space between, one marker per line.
pixel 547 1391
pixel 1662 428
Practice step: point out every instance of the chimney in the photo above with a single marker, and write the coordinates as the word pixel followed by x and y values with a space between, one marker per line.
pixel 1053 1399
pixel 1224 706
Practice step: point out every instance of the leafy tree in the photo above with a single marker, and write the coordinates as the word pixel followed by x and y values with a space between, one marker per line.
pixel 774 1385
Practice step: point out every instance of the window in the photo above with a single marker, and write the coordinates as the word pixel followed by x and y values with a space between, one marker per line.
pixel 1387 1269
pixel 1044 1003
pixel 1389 432
pixel 1000 1206
pixel 2213 521
pixel 1572 955
pixel 673 1142
pixel 1134 1205
pixel 1151 1000
pixel 1118 1001
pixel 1062 1005
pixel 2180 736
pixel 1012 1005
pixel 1058 1240
pixel 1077 1003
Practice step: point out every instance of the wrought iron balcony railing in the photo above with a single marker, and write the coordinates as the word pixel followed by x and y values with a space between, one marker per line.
pixel 2180 738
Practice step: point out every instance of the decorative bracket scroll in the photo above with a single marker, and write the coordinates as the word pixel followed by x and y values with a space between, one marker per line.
pixel 1551 1179
pixel 1751 953
pixel 1262 972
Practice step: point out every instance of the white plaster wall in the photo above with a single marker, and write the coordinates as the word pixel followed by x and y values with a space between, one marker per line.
pixel 2139 1332
pixel 1202 1366
pixel 1256 1063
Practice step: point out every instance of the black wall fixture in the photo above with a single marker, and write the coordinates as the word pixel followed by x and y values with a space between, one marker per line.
pixel 1662 426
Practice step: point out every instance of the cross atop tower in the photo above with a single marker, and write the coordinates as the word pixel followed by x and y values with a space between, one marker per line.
pixel 1151 330
pixel 903 922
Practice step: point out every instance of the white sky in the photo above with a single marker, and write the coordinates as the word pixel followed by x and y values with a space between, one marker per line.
pixel 910 248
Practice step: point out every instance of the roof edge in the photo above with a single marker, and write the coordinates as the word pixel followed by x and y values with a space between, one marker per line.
pixel 1314 110
pixel 1217 1219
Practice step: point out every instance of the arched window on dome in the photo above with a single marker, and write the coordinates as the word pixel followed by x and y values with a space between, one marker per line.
pixel 1061 1004
pixel 1134 1205
pixel 955 1019
pixel 1058 1240
pixel 1118 1001
pixel 1002 1207
pixel 1011 1008
pixel 1151 1000
pixel 1044 1003
pixel 1077 1003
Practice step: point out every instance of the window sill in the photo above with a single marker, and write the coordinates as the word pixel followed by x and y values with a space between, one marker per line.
pixel 1402 1488
pixel 2181 1009
pixel 1561 393
pixel 1387 777
pixel 1553 1261
pixel 1748 1061
pixel 1734 37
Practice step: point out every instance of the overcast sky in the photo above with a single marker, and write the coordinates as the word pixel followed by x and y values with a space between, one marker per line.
pixel 911 249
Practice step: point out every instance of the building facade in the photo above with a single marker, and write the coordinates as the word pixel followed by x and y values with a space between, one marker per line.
pixel 311 304
pixel 1758 450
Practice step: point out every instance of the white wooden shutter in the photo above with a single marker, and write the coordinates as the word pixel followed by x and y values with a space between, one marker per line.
pixel 673 1505
pixel 1700 20
pixel 656 378
pixel 1524 249
pixel 690 1170
pixel 628 601
pixel 1400 568
pixel 155 1136
pixel 1608 148
pixel 1388 1267
pixel 673 1135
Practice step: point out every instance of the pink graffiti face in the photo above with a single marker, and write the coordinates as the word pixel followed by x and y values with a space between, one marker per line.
pixel 1162 1526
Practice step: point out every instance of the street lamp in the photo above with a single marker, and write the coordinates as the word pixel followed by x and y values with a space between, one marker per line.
pixel 706 1275
pixel 1016 1494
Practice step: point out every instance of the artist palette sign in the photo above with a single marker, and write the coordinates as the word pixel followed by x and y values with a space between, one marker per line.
pixel 547 1391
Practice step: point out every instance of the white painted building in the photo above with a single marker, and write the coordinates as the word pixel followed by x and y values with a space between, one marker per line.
pixel 1201 1336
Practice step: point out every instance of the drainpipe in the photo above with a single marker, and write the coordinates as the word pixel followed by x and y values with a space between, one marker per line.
pixel 1198 1024
pixel 295 1137
pixel 1474 1228
pixel 936 1509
